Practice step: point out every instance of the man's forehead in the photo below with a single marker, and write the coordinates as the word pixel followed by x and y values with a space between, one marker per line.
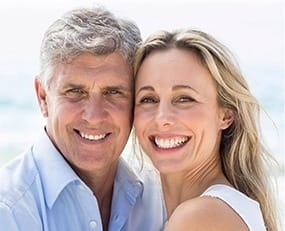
pixel 78 75
pixel 88 63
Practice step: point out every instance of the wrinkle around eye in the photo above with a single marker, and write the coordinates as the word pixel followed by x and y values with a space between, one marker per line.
pixel 77 92
pixel 117 92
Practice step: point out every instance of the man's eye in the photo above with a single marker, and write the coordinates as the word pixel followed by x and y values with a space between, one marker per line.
pixel 111 91
pixel 75 91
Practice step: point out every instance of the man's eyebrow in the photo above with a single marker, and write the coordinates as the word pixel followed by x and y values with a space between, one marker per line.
pixel 118 87
pixel 72 85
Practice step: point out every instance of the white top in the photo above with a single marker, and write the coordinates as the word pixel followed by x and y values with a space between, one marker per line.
pixel 247 208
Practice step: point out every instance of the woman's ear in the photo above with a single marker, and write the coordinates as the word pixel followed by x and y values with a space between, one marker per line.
pixel 227 118
pixel 41 96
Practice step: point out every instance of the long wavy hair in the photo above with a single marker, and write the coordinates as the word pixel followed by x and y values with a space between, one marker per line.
pixel 243 155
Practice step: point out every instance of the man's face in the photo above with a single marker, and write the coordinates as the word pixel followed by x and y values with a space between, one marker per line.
pixel 88 106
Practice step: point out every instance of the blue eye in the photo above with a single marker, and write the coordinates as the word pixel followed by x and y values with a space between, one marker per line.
pixel 75 91
pixel 112 91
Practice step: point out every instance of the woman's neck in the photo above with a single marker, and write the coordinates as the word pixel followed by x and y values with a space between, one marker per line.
pixel 183 186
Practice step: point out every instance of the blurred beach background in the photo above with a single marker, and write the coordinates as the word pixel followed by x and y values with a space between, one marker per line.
pixel 252 30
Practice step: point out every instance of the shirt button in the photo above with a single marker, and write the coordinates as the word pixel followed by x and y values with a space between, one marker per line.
pixel 81 187
pixel 92 225
pixel 117 218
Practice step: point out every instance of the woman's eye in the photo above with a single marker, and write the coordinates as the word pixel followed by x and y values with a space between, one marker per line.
pixel 184 99
pixel 147 100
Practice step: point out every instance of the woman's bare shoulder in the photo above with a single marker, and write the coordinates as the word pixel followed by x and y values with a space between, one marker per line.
pixel 205 213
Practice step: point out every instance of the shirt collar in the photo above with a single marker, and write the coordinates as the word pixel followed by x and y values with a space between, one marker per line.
pixel 128 180
pixel 128 189
pixel 55 172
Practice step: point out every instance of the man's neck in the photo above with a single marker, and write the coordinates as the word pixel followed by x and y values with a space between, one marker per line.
pixel 101 184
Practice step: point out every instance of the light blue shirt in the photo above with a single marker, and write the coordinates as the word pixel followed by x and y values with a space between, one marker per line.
pixel 40 191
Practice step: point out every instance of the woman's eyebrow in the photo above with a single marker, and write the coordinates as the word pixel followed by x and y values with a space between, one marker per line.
pixel 179 87
pixel 145 88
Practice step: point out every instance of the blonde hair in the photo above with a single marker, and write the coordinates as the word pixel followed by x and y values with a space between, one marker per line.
pixel 243 155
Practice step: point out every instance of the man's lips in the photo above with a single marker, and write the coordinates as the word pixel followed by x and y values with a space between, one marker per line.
pixel 92 137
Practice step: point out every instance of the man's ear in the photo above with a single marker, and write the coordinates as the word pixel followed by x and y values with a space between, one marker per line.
pixel 227 118
pixel 41 96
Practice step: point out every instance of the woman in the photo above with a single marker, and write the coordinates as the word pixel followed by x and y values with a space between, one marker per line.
pixel 197 121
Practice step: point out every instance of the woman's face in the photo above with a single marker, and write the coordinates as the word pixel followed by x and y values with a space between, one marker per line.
pixel 177 118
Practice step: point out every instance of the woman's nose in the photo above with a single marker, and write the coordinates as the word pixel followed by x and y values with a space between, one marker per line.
pixel 164 115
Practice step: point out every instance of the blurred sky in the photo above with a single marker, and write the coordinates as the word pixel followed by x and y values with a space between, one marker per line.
pixel 252 29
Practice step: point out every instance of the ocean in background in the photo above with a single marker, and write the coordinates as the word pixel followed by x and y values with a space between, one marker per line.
pixel 20 118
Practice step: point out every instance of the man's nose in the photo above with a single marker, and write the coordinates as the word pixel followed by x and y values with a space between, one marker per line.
pixel 95 109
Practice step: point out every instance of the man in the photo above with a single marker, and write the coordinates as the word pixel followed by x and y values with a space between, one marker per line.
pixel 73 178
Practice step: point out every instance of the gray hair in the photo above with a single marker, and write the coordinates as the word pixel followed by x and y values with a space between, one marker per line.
pixel 86 30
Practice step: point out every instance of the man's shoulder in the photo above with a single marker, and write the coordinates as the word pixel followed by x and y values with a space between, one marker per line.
pixel 16 178
pixel 17 199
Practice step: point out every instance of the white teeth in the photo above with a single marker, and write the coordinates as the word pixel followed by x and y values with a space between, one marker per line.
pixel 170 143
pixel 92 137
